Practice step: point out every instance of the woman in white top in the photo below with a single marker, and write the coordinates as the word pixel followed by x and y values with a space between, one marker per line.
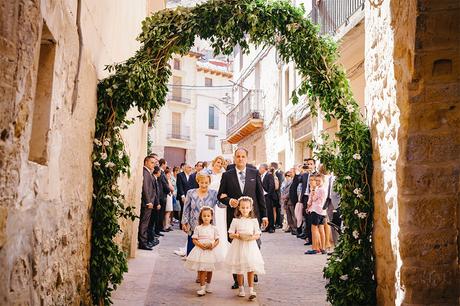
pixel 220 214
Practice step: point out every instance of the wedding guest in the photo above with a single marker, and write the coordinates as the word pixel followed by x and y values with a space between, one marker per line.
pixel 326 186
pixel 276 171
pixel 185 182
pixel 169 202
pixel 176 205
pixel 315 208
pixel 203 258
pixel 244 256
pixel 198 166
pixel 310 168
pixel 268 184
pixel 156 216
pixel 148 200
pixel 164 191
pixel 238 181
pixel 220 214
pixel 194 200
pixel 289 207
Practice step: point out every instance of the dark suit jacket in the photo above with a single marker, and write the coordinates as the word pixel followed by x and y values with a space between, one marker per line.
pixel 230 186
pixel 268 184
pixel 148 190
pixel 305 185
pixel 293 197
pixel 184 185
pixel 193 182
pixel 163 187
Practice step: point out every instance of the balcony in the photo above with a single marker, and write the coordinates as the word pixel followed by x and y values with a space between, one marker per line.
pixel 246 117
pixel 177 98
pixel 178 132
pixel 332 15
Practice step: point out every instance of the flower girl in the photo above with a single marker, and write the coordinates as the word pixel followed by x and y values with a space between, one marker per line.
pixel 203 258
pixel 244 255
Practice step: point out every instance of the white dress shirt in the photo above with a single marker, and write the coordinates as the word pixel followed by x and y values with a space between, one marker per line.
pixel 262 179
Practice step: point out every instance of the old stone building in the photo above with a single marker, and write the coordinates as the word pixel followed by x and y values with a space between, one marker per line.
pixel 52 54
pixel 412 73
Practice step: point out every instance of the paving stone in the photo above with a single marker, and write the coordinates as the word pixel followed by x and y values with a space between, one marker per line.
pixel 292 278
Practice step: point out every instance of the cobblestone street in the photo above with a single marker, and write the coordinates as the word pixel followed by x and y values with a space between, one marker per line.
pixel 158 277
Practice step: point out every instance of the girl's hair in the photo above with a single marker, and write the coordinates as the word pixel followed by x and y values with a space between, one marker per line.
pixel 320 176
pixel 252 213
pixel 205 208
pixel 202 174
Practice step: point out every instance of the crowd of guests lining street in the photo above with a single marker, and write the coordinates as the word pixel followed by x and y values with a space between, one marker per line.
pixel 300 201
pixel 225 206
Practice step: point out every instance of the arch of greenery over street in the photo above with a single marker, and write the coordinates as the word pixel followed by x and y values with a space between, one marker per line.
pixel 141 81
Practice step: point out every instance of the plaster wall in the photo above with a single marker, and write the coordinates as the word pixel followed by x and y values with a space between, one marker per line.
pixel 45 208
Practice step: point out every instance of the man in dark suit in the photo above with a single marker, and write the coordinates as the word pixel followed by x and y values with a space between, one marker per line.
pixel 268 184
pixel 280 175
pixel 185 181
pixel 148 199
pixel 155 217
pixel 310 168
pixel 164 191
pixel 242 181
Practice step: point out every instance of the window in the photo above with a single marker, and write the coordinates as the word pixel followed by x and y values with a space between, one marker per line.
pixel 213 118
pixel 212 142
pixel 208 82
pixel 286 87
pixel 41 120
pixel 176 125
pixel 177 88
pixel 177 64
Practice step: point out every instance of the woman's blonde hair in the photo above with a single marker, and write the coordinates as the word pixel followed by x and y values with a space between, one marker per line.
pixel 222 159
pixel 252 213
pixel 202 174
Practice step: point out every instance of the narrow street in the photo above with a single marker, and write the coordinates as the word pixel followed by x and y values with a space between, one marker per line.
pixel 292 278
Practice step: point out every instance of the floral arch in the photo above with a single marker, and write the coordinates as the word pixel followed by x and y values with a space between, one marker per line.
pixel 141 81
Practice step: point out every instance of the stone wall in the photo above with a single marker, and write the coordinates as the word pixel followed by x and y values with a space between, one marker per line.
pixel 46 188
pixel 412 93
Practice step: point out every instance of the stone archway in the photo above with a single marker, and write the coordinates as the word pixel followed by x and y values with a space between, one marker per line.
pixel 141 82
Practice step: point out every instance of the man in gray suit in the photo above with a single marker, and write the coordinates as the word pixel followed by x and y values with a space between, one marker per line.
pixel 148 199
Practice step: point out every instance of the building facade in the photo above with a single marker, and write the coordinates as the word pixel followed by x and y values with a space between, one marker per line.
pixel 52 54
pixel 192 124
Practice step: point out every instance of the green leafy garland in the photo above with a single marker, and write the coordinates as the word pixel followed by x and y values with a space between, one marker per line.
pixel 141 82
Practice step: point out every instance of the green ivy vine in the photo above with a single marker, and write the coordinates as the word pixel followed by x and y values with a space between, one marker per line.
pixel 141 82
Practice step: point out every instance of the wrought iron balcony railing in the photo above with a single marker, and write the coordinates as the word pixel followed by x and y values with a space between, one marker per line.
pixel 179 132
pixel 250 107
pixel 332 14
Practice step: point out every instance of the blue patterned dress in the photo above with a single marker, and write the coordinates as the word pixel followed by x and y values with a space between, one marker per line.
pixel 192 206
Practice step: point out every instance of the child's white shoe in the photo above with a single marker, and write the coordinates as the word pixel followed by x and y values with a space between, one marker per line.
pixel 208 288
pixel 241 293
pixel 202 291
pixel 252 295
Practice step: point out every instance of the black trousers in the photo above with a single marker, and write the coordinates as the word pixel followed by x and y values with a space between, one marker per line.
pixel 144 222
pixel 181 209
pixel 270 215
pixel 279 216
pixel 160 217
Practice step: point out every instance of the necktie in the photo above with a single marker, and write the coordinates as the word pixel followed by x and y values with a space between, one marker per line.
pixel 242 177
